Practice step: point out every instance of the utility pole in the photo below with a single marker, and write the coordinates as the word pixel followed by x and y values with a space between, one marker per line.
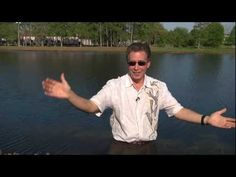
pixel 18 33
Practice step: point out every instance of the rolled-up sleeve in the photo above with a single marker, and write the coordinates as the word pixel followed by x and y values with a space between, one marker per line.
pixel 103 98
pixel 168 102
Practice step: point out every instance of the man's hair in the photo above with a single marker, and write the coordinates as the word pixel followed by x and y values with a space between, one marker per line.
pixel 138 46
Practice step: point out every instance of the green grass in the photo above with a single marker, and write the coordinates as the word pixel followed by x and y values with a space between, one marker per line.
pixel 195 50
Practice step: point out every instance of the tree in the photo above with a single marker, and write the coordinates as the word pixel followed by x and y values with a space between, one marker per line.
pixel 231 39
pixel 198 33
pixel 215 35
pixel 179 37
pixel 40 31
pixel 8 32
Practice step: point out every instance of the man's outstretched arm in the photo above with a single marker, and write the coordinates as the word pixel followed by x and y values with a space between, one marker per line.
pixel 216 119
pixel 61 89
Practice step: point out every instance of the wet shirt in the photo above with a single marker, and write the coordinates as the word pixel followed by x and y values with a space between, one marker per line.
pixel 135 113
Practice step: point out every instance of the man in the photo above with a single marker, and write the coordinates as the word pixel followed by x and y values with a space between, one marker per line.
pixel 136 100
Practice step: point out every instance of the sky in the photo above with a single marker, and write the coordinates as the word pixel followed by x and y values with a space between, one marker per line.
pixel 173 25
pixel 189 25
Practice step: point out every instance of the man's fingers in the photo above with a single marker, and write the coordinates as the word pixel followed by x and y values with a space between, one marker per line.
pixel 222 111
pixel 231 120
pixel 49 94
pixel 63 80
pixel 48 85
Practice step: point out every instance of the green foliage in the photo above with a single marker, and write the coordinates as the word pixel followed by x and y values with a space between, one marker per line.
pixel 8 31
pixel 179 37
pixel 214 35
pixel 203 34
pixel 230 40
pixel 198 35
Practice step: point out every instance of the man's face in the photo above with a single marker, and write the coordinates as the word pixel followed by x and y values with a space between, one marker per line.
pixel 138 63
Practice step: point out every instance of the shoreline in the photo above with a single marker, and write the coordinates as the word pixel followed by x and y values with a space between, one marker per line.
pixel 119 49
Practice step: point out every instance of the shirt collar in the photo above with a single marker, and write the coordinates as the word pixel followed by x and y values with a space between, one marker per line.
pixel 129 82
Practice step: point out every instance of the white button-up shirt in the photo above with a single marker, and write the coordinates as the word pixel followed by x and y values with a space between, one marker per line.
pixel 135 113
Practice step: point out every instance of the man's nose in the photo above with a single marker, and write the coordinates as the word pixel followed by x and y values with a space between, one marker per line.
pixel 136 65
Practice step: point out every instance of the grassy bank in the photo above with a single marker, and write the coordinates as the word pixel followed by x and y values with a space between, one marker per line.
pixel 195 50
pixel 120 49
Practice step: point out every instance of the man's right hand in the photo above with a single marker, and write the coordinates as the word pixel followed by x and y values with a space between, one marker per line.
pixel 58 89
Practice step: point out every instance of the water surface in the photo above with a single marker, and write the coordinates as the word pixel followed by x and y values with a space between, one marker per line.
pixel 32 123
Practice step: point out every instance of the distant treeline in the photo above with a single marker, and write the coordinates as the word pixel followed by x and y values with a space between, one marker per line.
pixel 113 34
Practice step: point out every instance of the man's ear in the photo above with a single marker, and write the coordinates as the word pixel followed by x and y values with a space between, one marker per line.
pixel 149 64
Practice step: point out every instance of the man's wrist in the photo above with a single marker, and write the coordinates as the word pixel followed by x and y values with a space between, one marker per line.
pixel 70 94
pixel 204 120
